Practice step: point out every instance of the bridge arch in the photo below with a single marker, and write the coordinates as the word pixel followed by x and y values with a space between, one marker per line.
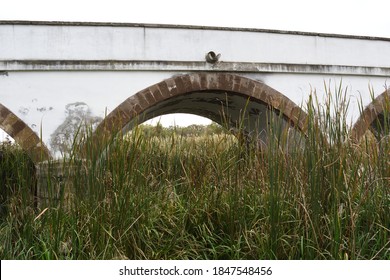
pixel 373 118
pixel 23 135
pixel 211 95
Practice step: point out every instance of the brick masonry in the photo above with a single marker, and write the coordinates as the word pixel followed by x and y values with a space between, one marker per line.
pixel 179 85
pixel 370 114
pixel 23 135
pixel 195 82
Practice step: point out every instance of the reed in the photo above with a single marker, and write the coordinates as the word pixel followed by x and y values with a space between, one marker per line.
pixel 209 196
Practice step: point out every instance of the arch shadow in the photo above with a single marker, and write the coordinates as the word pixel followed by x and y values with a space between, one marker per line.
pixel 225 98
pixel 23 135
pixel 373 118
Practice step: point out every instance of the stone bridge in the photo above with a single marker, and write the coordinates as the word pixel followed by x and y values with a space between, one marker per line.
pixel 123 74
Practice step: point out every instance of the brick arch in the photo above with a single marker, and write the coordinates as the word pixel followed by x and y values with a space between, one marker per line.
pixel 23 135
pixel 181 86
pixel 370 115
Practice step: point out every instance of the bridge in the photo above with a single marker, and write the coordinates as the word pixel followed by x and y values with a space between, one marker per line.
pixel 122 74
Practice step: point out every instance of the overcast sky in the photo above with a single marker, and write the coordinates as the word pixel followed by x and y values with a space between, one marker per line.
pixel 330 16
pixel 354 17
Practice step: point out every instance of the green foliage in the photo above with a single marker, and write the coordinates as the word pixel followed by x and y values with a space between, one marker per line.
pixel 189 131
pixel 198 193
pixel 17 178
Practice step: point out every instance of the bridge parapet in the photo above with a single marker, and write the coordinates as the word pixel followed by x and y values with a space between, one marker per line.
pixel 64 41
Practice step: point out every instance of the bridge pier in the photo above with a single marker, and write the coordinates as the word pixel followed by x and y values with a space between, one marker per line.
pixel 54 182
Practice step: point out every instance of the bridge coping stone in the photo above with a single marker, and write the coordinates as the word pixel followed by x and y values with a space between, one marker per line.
pixel 190 27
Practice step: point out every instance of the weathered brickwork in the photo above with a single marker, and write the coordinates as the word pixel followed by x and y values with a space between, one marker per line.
pixel 137 104
pixel 370 114
pixel 196 82
pixel 23 135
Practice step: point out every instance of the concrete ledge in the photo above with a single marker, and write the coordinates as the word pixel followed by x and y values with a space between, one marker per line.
pixel 223 66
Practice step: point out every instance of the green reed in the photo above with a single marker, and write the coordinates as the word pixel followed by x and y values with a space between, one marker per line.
pixel 211 196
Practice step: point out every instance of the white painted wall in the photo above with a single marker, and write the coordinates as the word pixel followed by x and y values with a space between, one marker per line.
pixel 27 93
pixel 181 44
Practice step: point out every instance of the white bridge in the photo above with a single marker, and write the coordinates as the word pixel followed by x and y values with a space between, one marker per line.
pixel 119 74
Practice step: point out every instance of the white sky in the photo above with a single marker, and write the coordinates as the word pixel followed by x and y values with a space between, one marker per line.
pixel 360 17
pixel 354 17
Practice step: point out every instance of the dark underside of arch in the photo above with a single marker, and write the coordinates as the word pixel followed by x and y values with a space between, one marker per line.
pixel 375 118
pixel 231 100
pixel 380 127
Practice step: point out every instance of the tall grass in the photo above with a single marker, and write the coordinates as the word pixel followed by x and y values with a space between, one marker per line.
pixel 212 197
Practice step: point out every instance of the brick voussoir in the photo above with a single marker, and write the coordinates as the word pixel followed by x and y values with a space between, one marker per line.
pixel 358 130
pixel 163 88
pixel 24 134
pixel 369 114
pixel 226 82
pixel 264 96
pixel 149 96
pixel 137 109
pixel 287 108
pixel 103 130
pixel 120 118
pixel 130 107
pixel 271 101
pixel 158 96
pixel 372 114
pixel 139 99
pixel 212 82
pixel 247 86
pixel 4 112
pixel 9 122
pixel 179 85
pixel 111 123
pixel 195 82
pixel 236 84
pixel 126 108
pixel 171 86
pixel 257 92
pixel 203 81
pixel 187 84
pixel 18 126
pixel 30 142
